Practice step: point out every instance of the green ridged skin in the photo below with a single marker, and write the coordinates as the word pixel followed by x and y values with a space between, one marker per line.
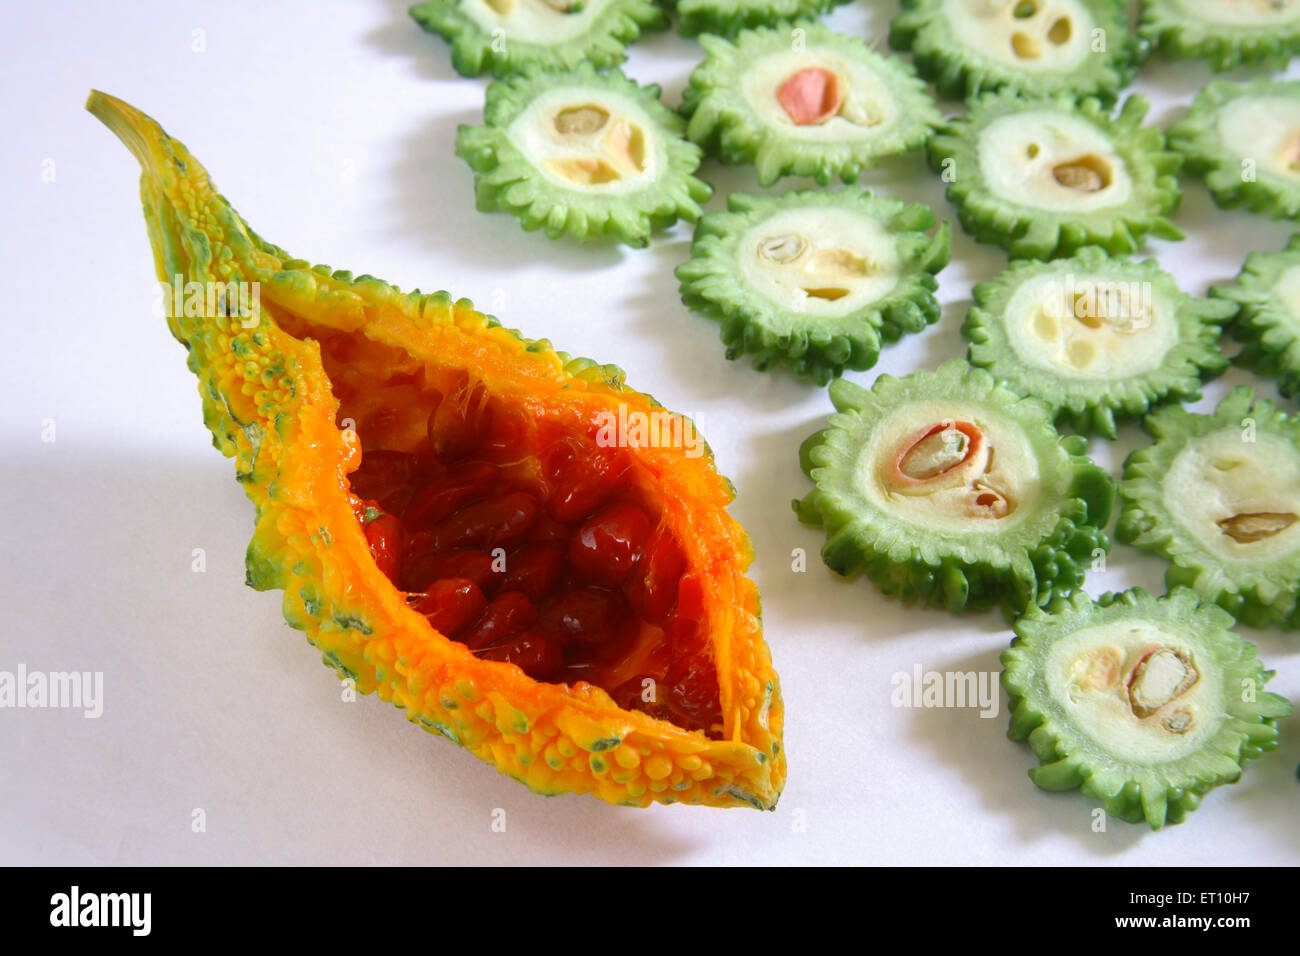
pixel 728 17
pixel 1203 471
pixel 1177 29
pixel 733 278
pixel 1076 678
pixel 910 548
pixel 740 126
pixel 508 178
pixel 484 39
pixel 1006 215
pixel 1095 337
pixel 1263 177
pixel 1267 292
pixel 962 63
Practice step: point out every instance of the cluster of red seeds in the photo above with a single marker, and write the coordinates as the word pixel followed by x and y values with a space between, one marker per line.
pixel 529 546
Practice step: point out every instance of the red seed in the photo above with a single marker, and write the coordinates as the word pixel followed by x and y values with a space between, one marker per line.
pixel 531 652
pixel 461 486
pixel 589 616
pixel 545 528
pixel 423 568
pixel 382 474
pixel 450 604
pixel 500 522
pixel 652 587
pixel 607 545
pixel 582 478
pixel 693 693
pixel 384 535
pixel 509 613
pixel 534 569
pixel 507 439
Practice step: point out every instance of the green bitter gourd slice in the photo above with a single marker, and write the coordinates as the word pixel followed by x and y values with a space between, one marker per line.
pixel 728 17
pixel 1227 33
pixel 950 490
pixel 1094 336
pixel 1244 139
pixel 809 103
pixel 815 279
pixel 1267 292
pixel 1218 496
pixel 966 47
pixel 1045 176
pixel 583 153
pixel 1144 704
pixel 504 35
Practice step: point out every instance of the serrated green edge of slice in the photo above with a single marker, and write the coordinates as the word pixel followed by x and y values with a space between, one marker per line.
pixel 1268 330
pixel 1043 554
pixel 505 179
pixel 474 50
pixel 1196 137
pixel 712 285
pixel 960 71
pixel 727 127
pixel 1258 596
pixel 1175 32
pixel 1071 758
pixel 728 17
pixel 1093 404
pixel 1031 233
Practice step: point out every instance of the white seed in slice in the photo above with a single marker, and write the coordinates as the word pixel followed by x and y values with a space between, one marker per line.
pixel 1162 675
pixel 1099 669
pixel 580 120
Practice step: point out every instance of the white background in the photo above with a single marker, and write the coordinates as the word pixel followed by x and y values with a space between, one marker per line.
pixel 330 128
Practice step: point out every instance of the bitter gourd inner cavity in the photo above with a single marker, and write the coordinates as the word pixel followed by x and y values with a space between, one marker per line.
pixel 525 540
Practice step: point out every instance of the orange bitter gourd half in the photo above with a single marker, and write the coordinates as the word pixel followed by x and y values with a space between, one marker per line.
pixel 453 525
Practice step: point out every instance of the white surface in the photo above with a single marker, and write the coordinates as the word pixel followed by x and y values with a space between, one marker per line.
pixel 330 125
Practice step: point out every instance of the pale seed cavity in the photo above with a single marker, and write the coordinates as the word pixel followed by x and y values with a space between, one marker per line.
pixel 1087 174
pixel 1256 526
pixel 1025 46
pixel 1179 722
pixel 1162 675
pixel 1060 31
pixel 1099 669
pixel 838 262
pixel 580 120
pixel 938 452
pixel 501 7
pixel 782 249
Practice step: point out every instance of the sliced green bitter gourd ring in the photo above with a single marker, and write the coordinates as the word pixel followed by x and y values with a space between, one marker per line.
pixel 1143 704
pixel 1044 176
pixel 1267 291
pixel 1219 497
pixel 815 279
pixel 1244 139
pixel 504 35
pixel 823 106
pixel 728 17
pixel 1227 33
pixel 583 153
pixel 1082 47
pixel 1094 336
pixel 948 489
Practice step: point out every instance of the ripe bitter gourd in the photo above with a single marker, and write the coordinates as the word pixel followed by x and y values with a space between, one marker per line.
pixel 1045 176
pixel 1094 336
pixel 481 530
pixel 582 153
pixel 948 489
pixel 815 279
pixel 1267 292
pixel 1227 33
pixel 1082 47
pixel 804 101
pixel 728 17
pixel 1218 496
pixel 1144 704
pixel 1244 140
pixel 505 35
